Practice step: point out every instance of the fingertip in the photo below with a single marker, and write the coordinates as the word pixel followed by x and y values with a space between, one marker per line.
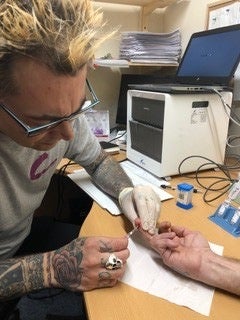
pixel 137 223
pixel 151 232
pixel 145 226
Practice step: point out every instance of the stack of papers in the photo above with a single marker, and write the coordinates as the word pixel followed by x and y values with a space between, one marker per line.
pixel 148 47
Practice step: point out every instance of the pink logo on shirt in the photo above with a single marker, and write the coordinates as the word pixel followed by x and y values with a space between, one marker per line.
pixel 34 174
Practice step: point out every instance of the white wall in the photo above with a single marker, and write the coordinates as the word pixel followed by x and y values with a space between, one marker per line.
pixel 187 15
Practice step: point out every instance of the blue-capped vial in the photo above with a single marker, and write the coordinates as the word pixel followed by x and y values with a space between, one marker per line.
pixel 235 216
pixel 223 208
pixel 184 195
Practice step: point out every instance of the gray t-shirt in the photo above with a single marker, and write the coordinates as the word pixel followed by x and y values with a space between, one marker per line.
pixel 24 178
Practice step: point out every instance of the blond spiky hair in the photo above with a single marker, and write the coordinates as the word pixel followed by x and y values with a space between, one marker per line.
pixel 64 34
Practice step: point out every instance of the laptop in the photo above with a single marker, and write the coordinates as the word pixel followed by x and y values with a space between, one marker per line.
pixel 208 64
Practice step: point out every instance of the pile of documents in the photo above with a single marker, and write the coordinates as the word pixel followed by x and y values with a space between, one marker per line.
pixel 148 47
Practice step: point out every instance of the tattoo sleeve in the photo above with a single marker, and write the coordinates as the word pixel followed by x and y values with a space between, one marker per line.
pixel 108 175
pixel 59 268
pixel 21 275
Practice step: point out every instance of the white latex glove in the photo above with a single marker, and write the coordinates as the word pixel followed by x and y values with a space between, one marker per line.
pixel 141 202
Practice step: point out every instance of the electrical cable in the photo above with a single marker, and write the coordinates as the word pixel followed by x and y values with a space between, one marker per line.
pixel 213 186
pixel 225 169
pixel 227 106
pixel 118 137
pixel 231 115
pixel 232 139
pixel 60 187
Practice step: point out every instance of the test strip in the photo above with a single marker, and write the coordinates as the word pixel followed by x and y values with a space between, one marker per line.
pixel 129 234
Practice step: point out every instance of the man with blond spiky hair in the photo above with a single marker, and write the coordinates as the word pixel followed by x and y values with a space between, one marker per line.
pixel 46 48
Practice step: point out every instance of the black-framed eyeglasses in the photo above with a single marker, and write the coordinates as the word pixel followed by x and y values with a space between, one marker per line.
pixel 32 131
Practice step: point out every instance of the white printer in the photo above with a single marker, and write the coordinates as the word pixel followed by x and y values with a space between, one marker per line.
pixel 163 129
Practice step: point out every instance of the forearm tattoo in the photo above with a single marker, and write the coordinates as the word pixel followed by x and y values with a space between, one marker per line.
pixel 109 175
pixel 94 165
pixel 59 268
pixel 19 276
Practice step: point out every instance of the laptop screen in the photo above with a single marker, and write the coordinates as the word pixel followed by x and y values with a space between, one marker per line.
pixel 211 57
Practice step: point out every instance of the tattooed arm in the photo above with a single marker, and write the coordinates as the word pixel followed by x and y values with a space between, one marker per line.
pixel 21 275
pixel 140 204
pixel 108 175
pixel 78 266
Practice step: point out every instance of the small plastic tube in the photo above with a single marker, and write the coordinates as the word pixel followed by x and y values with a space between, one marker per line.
pixel 184 195
pixel 223 207
pixel 235 217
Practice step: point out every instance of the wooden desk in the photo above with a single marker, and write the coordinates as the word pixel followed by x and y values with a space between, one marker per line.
pixel 127 303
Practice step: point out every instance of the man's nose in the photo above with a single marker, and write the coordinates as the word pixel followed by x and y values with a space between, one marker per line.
pixel 66 130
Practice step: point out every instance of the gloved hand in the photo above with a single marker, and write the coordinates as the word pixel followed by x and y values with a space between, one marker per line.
pixel 141 202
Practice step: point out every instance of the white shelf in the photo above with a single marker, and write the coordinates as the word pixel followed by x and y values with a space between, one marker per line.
pixel 147 7
pixel 141 3
pixel 125 64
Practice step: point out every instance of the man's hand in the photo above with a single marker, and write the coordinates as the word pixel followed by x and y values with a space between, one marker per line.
pixel 182 252
pixel 80 265
pixel 141 202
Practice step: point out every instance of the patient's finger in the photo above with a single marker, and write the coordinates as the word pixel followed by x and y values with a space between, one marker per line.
pixel 164 226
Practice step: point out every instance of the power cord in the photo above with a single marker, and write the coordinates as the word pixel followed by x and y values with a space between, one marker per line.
pixel 118 137
pixel 232 116
pixel 228 181
pixel 60 187
pixel 233 141
pixel 228 109
pixel 221 184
